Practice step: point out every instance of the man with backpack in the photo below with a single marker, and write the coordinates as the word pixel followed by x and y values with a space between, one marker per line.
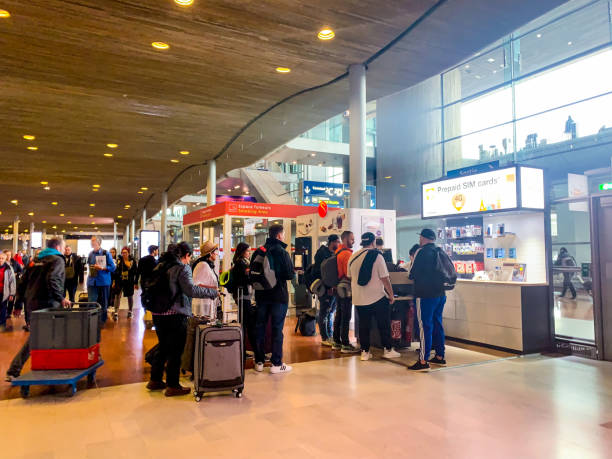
pixel 344 308
pixel 327 302
pixel 42 287
pixel 430 299
pixel 270 269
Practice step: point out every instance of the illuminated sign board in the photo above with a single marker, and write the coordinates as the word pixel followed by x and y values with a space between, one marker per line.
pixel 605 187
pixel 333 194
pixel 148 238
pixel 503 189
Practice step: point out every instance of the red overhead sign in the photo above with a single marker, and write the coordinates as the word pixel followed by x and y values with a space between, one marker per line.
pixel 246 209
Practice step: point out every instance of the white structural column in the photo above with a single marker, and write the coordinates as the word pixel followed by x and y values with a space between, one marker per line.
pixel 44 238
pixel 164 222
pixel 15 234
pixel 211 187
pixel 357 125
pixel 143 220
pixel 115 234
pixel 30 247
pixel 126 236
pixel 133 235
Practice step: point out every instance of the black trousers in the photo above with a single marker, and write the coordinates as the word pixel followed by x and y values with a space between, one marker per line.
pixel 70 286
pixel 342 321
pixel 249 323
pixel 382 312
pixel 567 284
pixel 172 333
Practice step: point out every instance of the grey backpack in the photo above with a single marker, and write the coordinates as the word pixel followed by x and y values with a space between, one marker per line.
pixel 261 274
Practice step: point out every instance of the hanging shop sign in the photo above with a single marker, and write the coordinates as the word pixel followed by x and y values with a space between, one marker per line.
pixel 510 188
pixel 333 194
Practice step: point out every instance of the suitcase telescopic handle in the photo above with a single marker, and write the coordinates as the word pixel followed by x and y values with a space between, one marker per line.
pixel 86 303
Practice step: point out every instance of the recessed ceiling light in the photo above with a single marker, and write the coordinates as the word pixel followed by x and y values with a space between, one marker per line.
pixel 569 43
pixel 29 137
pixel 539 35
pixel 313 154
pixel 15 201
pixel 112 145
pixel 127 206
pixel 54 203
pixel 160 45
pixel 388 177
pixel 326 34
pixel 54 227
pixel 93 223
pixel 174 161
pixel 61 215
pixel 283 69
pixel 31 214
pixel 144 188
pixel 93 204
pixel 236 187
pixel 96 186
pixel 320 164
pixel 44 183
pixel 91 215
pixel 68 223
pixel 141 192
pixel 33 148
pixel 108 155
pixel 25 231
pixel 47 188
pixel 44 221
pixel 229 190
pixel 490 60
pixel 184 2
pixel 184 152
pixel 294 162
pixel 467 66
pixel 477 77
pixel 402 186
pixel 63 231
pixel 95 189
pixel 119 216
pixel 4 14
pixel 96 228
pixel 75 227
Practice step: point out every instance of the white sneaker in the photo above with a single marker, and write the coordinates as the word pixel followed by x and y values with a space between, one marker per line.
pixel 282 368
pixel 365 355
pixel 259 367
pixel 391 354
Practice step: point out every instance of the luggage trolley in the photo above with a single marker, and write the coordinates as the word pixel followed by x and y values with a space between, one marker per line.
pixel 58 339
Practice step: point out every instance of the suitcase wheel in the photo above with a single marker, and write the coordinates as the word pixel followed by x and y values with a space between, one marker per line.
pixel 238 393
pixel 198 397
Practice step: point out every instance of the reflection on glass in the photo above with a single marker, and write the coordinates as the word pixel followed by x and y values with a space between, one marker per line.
pixel 489 145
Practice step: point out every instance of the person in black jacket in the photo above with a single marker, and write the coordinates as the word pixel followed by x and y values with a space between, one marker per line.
pixel 126 278
pixel 240 280
pixel 430 300
pixel 274 302
pixel 43 287
pixel 147 265
pixel 327 303
pixel 74 272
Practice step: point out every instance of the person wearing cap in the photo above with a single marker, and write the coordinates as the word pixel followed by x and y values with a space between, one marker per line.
pixel 344 308
pixel 430 300
pixel 372 298
pixel 205 275
pixel 327 302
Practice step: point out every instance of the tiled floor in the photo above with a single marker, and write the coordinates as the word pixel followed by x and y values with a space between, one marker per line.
pixel 531 407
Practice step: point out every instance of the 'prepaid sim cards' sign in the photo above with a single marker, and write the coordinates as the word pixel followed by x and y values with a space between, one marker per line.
pixel 485 192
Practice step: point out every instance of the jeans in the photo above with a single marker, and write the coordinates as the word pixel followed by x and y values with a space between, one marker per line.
pixel 327 306
pixel 70 286
pixel 3 312
pixel 172 334
pixel 277 312
pixel 382 312
pixel 344 310
pixel 429 315
pixel 99 294
pixel 20 359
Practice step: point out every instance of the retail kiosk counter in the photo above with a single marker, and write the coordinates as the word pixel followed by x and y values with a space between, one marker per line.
pixel 505 315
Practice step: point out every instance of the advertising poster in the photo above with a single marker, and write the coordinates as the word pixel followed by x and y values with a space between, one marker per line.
pixel 489 191
pixel 373 224
pixel 532 188
pixel 148 238
pixel 333 223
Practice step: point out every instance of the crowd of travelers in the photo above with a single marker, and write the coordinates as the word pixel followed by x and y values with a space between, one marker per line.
pixel 257 281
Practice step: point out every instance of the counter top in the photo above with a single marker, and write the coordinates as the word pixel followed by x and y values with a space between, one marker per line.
pixel 517 284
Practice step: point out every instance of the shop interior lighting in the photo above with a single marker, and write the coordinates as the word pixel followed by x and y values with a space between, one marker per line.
pixel 160 45
pixel 326 34
pixel 184 2
pixel 283 69
pixel 15 201
pixel 29 137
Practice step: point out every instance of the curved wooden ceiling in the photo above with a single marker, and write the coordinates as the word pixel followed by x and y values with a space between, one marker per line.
pixel 79 75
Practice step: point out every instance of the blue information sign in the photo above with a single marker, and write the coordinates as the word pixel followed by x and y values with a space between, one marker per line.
pixel 334 194
pixel 476 169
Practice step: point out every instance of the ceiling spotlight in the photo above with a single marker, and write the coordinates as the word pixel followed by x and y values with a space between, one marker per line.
pixel 144 188
pixel 93 204
pixel 68 223
pixel 96 186
pixel 31 214
pixel 539 35
pixel 387 176
pixel 184 2
pixel 63 231
pixel 75 227
pixel 29 137
pixel 326 34
pixel 141 192
pixel 61 215
pixel 229 190
pixel 283 69
pixel 160 45
pixel 184 152
pixel 93 223
pixel 33 148
pixel 490 60
pixel 44 221
pixel 174 161
pixel 320 164
pixel 313 154
pixel 4 14
pixel 108 155
pixel 44 183
pixel 112 145
pixel 127 206
pixel 236 187
pixel 569 43
pixel 467 66
pixel 294 162
pixel 15 201
pixel 95 189
pixel 91 215
pixel 119 216
pixel 54 203
pixel 47 188
pixel 54 227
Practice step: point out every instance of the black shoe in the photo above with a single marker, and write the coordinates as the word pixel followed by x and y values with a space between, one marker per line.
pixel 437 361
pixel 156 385
pixel 418 366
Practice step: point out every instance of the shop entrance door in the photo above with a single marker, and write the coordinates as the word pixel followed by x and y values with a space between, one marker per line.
pixel 601 227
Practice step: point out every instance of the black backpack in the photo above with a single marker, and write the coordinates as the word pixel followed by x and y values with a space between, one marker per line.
pixel 156 294
pixel 307 323
pixel 329 270
pixel 261 274
pixel 310 275
pixel 445 270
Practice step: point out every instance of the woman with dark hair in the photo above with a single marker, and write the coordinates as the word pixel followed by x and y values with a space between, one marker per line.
pixel 240 282
pixel 171 326
pixel 126 278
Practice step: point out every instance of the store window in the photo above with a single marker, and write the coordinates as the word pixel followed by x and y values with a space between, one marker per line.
pixel 484 146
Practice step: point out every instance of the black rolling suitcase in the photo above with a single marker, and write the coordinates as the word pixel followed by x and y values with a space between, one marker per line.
pixel 218 359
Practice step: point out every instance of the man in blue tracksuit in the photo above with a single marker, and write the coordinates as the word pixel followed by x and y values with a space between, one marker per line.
pixel 430 300
pixel 101 265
